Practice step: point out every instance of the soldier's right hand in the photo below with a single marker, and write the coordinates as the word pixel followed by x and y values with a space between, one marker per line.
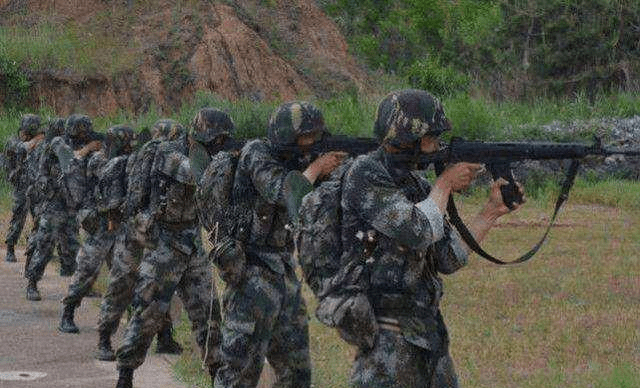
pixel 329 161
pixel 459 176
pixel 323 165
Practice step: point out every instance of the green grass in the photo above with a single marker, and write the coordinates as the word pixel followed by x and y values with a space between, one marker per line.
pixel 68 47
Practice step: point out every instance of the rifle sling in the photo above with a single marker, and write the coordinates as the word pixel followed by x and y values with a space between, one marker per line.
pixel 468 238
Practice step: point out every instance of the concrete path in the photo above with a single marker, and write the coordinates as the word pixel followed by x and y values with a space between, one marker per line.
pixel 34 354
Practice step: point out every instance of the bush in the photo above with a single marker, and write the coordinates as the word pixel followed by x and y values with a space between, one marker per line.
pixel 14 82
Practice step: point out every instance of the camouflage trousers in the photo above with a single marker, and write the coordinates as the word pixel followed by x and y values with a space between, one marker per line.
pixel 163 271
pixel 127 253
pixel 96 250
pixel 18 217
pixel 54 227
pixel 394 362
pixel 265 316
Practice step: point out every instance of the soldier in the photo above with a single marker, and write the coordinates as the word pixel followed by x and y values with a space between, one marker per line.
pixel 127 253
pixel 36 198
pixel 409 242
pixel 174 259
pixel 264 312
pixel 102 222
pixel 57 219
pixel 15 163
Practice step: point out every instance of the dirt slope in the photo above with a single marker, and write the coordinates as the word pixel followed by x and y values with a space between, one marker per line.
pixel 235 49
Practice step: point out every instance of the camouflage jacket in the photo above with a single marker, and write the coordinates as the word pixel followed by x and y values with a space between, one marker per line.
pixel 111 187
pixel 389 223
pixel 172 195
pixel 36 192
pixel 49 187
pixel 262 180
pixel 14 163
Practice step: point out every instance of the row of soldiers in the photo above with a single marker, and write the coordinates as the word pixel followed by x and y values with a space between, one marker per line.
pixel 140 214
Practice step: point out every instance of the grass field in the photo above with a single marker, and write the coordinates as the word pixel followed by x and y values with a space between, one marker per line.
pixel 568 318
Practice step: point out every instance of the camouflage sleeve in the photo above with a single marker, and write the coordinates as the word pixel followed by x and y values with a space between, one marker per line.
pixel 379 202
pixel 10 156
pixel 175 165
pixel 266 173
pixel 96 162
pixel 450 252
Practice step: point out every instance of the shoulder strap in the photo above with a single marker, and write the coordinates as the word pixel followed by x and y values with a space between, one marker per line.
pixel 468 238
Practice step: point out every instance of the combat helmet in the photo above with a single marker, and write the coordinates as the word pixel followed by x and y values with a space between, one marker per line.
pixel 78 126
pixel 119 139
pixel 29 125
pixel 211 124
pixel 167 129
pixel 294 119
pixel 407 115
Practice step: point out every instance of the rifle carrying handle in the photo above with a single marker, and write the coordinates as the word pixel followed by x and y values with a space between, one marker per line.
pixel 511 195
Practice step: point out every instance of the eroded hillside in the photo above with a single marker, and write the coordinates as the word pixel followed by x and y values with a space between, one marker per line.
pixel 168 51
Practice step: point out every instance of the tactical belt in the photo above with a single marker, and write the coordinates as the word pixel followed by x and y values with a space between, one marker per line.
pixel 468 238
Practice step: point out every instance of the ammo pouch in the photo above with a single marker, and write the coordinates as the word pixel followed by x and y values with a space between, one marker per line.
pixel 229 256
pixel 89 220
pixel 144 229
pixel 344 305
pixel 353 317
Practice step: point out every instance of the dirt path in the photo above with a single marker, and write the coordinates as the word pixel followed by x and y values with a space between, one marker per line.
pixel 33 351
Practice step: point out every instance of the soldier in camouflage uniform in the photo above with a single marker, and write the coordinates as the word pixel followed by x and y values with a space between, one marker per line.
pixel 57 219
pixel 35 197
pixel 127 253
pixel 174 258
pixel 102 222
pixel 264 312
pixel 410 242
pixel 16 151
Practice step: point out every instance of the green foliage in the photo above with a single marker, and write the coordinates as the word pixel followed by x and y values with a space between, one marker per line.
pixel 509 48
pixel 429 74
pixel 13 80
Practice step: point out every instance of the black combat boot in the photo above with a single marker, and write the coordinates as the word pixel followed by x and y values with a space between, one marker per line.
pixel 125 378
pixel 166 343
pixel 11 255
pixel 66 323
pixel 213 369
pixel 67 268
pixel 32 291
pixel 105 351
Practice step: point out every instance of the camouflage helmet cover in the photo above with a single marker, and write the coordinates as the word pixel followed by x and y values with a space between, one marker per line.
pixel 209 124
pixel 405 116
pixel 30 124
pixel 167 129
pixel 294 119
pixel 119 137
pixel 78 125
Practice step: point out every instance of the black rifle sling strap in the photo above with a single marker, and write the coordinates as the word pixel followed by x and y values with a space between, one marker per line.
pixel 468 238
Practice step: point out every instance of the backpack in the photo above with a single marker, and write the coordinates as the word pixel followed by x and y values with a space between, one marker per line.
pixel 338 282
pixel 140 181
pixel 111 188
pixel 223 214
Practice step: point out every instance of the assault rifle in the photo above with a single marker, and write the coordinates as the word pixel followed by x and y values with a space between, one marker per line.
pixel 497 156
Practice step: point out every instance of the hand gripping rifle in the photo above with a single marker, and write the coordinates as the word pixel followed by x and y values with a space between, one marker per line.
pixel 498 158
